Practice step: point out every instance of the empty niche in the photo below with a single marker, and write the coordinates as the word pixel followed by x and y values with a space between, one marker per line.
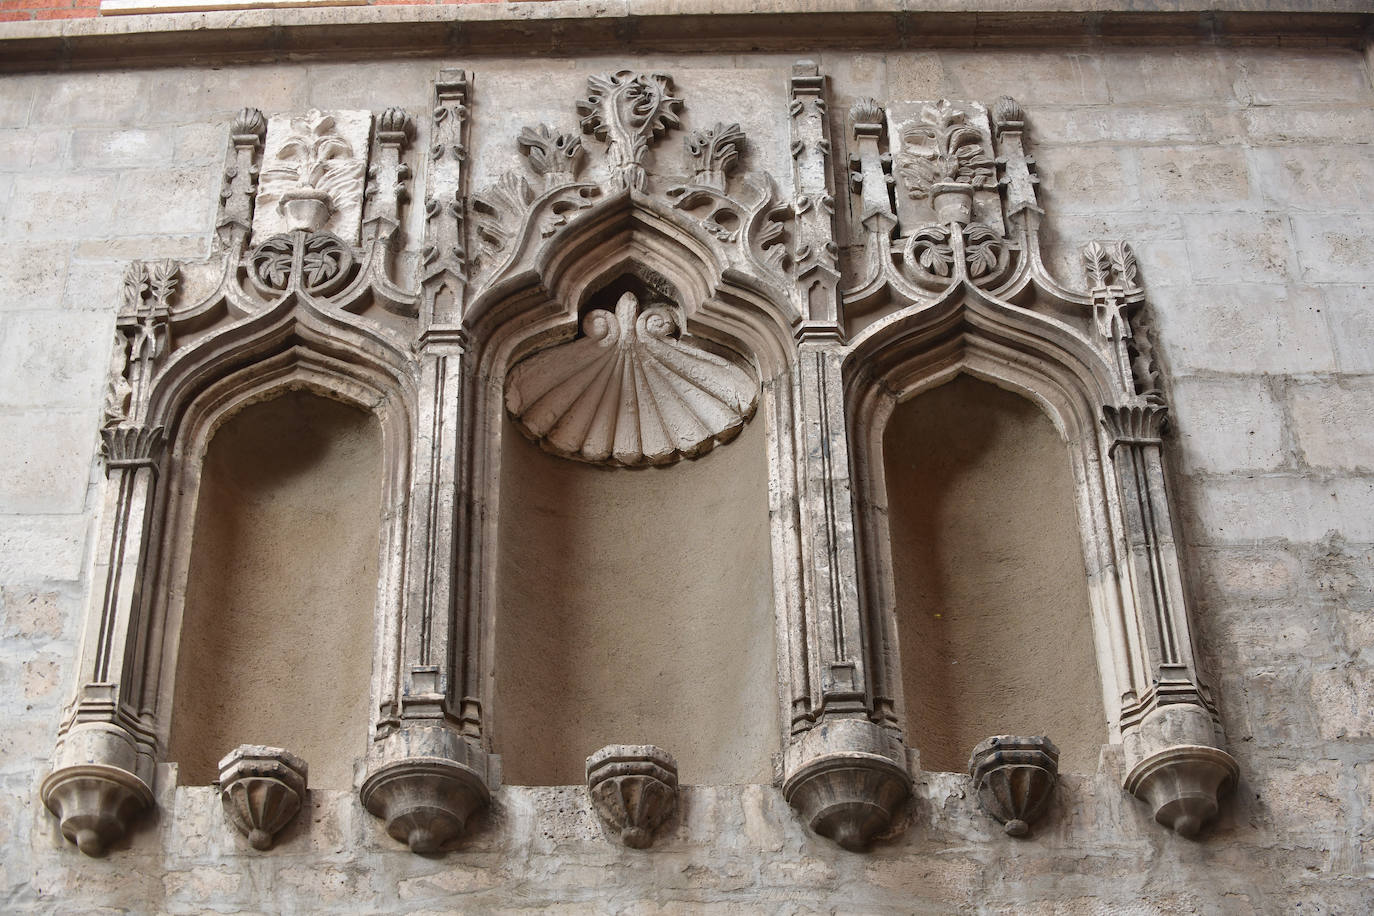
pixel 992 607
pixel 635 606
pixel 277 634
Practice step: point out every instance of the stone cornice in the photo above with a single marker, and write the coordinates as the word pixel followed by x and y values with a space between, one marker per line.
pixel 576 26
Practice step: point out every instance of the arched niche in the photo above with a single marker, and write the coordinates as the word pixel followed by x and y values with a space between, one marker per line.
pixel 276 639
pixel 991 599
pixel 635 605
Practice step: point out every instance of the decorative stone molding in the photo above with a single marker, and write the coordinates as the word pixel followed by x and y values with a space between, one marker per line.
pixel 1014 778
pixel 262 789
pixel 748 323
pixel 630 393
pixel 964 287
pixel 313 174
pixel 629 111
pixel 634 790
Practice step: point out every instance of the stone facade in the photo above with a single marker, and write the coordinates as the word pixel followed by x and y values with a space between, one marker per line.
pixel 1239 175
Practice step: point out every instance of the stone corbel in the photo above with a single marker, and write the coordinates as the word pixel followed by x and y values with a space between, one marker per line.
pixel 633 789
pixel 262 789
pixel 1014 778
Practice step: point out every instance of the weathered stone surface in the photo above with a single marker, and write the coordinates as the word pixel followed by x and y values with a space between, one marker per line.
pixel 1240 173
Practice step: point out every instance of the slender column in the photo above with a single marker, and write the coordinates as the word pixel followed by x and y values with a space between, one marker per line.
pixel 845 773
pixel 1170 731
pixel 388 177
pixel 102 776
pixel 426 777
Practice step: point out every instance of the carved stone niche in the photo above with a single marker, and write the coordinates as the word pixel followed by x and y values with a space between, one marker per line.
pixel 1014 778
pixel 262 788
pixel 634 789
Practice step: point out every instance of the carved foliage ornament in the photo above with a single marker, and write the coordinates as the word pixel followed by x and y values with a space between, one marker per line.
pixel 630 392
pixel 314 173
pixel 628 110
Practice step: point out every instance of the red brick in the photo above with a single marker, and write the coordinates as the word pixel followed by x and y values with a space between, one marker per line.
pixel 15 15
pixel 65 14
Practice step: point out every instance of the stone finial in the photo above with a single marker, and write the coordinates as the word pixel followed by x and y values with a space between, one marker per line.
pixel 248 126
pixel 262 788
pixel 633 788
pixel 1007 114
pixel 1014 778
pixel 866 115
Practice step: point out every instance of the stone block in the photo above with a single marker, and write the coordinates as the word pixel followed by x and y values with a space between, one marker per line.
pixel 1238 247
pixel 1288 124
pixel 1093 178
pixel 42 548
pixel 60 208
pixel 1136 124
pixel 1334 249
pixel 180 95
pixel 1048 77
pixel 16 102
pixel 1322 178
pixel 1159 76
pixel 1251 574
pixel 1192 178
pixel 1350 313
pixel 1333 423
pixel 46 458
pixel 33 615
pixel 95 99
pixel 32 276
pixel 120 148
pixel 167 202
pixel 1246 510
pixel 41 677
pixel 1273 76
pixel 1343 701
pixel 54 359
pixel 1228 425
pixel 915 75
pixel 1244 328
pixel 375 87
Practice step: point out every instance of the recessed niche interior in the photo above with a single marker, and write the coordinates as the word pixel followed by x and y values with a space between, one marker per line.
pixel 277 634
pixel 635 607
pixel 992 605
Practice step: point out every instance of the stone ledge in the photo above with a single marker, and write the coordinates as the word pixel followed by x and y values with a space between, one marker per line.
pixel 565 27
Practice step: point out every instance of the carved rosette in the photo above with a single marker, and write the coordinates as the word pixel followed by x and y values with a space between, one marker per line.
pixel 634 789
pixel 94 803
pixel 262 788
pixel 630 393
pixel 1182 785
pixel 1014 778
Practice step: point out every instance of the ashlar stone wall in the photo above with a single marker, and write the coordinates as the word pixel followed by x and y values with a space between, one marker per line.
pixel 1243 176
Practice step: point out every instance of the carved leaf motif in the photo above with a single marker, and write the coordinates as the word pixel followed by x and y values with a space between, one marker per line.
pixel 162 280
pixel 1097 262
pixel 982 250
pixel 1123 262
pixel 551 153
pixel 933 251
pixel 135 286
pixel 716 150
pixel 630 393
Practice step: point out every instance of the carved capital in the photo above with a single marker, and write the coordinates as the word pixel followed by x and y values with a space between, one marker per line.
pixel 634 789
pixel 95 803
pixel 248 128
pixel 262 788
pixel 395 128
pixel 866 118
pixel 1014 778
pixel 1183 785
pixel 126 446
pixel 1140 424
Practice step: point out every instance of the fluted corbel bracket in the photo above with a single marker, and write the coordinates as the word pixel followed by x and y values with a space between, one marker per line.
pixel 633 789
pixel 95 803
pixel 262 788
pixel 426 784
pixel 1014 778
pixel 846 778
pixel 1183 785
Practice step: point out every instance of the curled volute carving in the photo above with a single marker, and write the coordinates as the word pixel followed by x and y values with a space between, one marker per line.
pixel 630 392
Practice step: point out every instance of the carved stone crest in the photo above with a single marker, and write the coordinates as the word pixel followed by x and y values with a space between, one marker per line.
pixel 313 174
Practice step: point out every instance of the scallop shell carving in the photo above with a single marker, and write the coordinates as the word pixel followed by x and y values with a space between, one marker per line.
pixel 630 393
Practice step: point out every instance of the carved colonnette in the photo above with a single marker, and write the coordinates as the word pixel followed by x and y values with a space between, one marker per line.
pixel 745 322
